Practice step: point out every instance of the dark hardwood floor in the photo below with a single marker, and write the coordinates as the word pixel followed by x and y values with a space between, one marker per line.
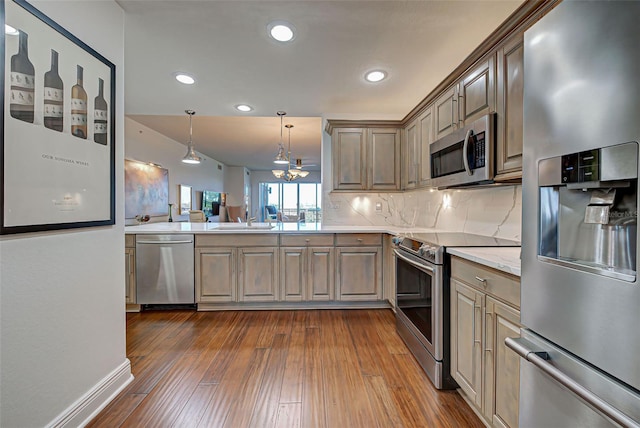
pixel 316 368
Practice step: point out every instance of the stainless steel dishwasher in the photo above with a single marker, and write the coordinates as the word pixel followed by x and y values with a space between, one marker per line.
pixel 165 269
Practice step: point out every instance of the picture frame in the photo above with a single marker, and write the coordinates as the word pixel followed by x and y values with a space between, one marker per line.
pixel 184 196
pixel 146 190
pixel 58 127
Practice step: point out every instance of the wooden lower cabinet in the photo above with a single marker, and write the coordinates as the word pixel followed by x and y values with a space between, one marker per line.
pixel 130 275
pixel 482 316
pixel 215 275
pixel 359 273
pixel 258 274
pixel 466 338
pixel 288 268
pixel 502 365
pixel 320 274
pixel 306 274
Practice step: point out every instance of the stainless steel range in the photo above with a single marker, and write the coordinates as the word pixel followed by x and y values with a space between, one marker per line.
pixel 422 296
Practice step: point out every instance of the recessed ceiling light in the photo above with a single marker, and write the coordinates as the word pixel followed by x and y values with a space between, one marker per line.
pixel 375 76
pixel 244 107
pixel 8 29
pixel 281 31
pixel 185 78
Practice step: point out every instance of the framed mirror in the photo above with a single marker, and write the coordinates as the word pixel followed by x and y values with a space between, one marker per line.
pixel 185 198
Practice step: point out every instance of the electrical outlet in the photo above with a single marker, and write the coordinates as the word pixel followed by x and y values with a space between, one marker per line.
pixel 378 207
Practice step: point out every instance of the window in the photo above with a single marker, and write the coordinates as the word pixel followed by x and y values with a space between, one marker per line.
pixel 294 200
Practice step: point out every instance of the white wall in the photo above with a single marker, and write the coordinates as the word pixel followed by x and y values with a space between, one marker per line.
pixel 62 312
pixel 146 145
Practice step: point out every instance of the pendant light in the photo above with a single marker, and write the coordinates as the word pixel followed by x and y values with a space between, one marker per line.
pixel 292 172
pixel 281 157
pixel 191 157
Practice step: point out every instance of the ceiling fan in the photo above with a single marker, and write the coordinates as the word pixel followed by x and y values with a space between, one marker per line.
pixel 299 164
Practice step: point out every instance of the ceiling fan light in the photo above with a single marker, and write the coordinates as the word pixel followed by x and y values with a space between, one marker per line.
pixel 278 173
pixel 303 174
pixel 294 172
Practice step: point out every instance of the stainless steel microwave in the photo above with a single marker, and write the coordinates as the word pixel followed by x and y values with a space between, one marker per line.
pixel 466 156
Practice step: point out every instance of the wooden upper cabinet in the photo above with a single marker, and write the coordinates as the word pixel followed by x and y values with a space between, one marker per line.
pixel 383 159
pixel 366 158
pixel 349 158
pixel 510 108
pixel 425 137
pixel 477 92
pixel 410 155
pixel 446 112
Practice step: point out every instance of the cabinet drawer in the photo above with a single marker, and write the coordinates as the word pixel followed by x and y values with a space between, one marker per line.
pixel 355 239
pixel 129 241
pixel 498 284
pixel 237 240
pixel 287 240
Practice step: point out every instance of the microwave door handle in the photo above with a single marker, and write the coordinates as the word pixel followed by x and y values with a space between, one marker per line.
pixel 540 359
pixel 465 148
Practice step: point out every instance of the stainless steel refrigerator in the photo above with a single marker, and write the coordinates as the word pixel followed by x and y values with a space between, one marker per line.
pixel 580 344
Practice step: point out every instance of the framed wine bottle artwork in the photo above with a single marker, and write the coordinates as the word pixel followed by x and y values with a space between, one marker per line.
pixel 58 128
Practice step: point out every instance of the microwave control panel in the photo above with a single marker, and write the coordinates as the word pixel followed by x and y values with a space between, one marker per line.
pixel 478 151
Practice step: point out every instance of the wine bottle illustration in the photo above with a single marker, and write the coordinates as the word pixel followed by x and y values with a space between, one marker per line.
pixel 100 116
pixel 21 105
pixel 79 107
pixel 53 96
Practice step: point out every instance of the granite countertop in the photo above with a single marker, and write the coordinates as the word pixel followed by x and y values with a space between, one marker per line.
pixel 231 228
pixel 505 259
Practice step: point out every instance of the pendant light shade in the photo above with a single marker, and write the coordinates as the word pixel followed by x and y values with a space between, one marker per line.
pixel 281 157
pixel 191 157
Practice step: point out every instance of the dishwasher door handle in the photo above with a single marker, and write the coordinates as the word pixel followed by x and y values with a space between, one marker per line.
pixel 164 242
pixel 540 359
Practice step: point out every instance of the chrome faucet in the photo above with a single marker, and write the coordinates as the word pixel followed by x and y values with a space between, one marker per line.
pixel 250 220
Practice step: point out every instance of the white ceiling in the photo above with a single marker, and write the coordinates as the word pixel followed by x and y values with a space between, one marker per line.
pixel 225 45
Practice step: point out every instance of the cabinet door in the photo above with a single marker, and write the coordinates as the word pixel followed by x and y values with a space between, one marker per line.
pixel 320 277
pixel 349 159
pixel 510 106
pixel 410 155
pixel 383 159
pixel 446 112
pixel 359 273
pixel 466 339
pixel 258 276
pixel 502 366
pixel 477 92
pixel 425 137
pixel 293 273
pixel 130 275
pixel 215 275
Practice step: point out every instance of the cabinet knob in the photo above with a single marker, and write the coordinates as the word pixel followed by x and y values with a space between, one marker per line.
pixel 482 280
pixel 359 239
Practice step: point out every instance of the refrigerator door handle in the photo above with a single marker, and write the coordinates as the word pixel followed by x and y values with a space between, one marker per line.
pixel 540 359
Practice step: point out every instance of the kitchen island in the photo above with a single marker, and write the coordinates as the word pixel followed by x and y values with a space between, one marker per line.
pixel 281 266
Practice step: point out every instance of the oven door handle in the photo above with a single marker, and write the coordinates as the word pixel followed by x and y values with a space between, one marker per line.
pixel 413 262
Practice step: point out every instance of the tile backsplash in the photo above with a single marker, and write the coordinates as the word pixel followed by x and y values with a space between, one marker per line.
pixel 491 211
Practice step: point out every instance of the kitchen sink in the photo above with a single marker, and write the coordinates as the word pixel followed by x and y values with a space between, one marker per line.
pixel 242 226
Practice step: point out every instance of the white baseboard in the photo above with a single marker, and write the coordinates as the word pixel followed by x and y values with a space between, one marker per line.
pixel 90 404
